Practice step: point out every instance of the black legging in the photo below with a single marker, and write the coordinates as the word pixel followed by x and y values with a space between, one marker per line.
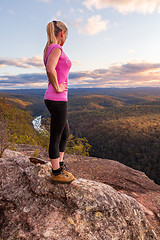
pixel 59 129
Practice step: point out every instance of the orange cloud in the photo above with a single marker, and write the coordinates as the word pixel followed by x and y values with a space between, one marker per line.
pixel 142 74
pixel 126 75
pixel 25 62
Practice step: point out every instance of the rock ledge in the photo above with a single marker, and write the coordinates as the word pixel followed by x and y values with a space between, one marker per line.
pixel 31 207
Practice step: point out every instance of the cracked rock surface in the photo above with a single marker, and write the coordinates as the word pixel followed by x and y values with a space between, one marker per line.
pixel 31 207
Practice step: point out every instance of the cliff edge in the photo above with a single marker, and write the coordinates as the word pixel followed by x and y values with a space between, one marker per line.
pixel 31 207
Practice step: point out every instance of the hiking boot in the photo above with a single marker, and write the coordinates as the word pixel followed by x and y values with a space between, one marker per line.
pixel 63 165
pixel 62 177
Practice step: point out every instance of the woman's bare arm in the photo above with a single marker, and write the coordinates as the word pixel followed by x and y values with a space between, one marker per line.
pixel 51 71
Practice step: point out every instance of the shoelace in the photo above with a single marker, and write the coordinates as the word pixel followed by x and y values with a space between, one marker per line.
pixel 65 167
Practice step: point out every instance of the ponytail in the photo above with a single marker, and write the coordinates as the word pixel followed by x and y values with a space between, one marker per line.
pixel 51 36
pixel 53 29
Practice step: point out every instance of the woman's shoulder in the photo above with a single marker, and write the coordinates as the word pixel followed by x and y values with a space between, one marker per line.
pixel 49 50
pixel 51 46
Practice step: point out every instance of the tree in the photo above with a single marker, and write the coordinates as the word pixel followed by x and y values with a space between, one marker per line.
pixel 3 136
pixel 79 146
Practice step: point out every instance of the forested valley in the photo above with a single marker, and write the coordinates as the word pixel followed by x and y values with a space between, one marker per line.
pixel 119 124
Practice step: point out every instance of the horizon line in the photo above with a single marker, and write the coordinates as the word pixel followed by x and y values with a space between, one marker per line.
pixel 5 89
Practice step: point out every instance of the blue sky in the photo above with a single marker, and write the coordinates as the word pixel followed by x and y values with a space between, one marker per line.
pixel 110 43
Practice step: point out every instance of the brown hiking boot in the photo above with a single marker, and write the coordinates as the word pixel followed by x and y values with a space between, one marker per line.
pixel 63 177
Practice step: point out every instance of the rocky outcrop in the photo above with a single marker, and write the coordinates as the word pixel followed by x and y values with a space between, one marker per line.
pixel 122 178
pixel 31 207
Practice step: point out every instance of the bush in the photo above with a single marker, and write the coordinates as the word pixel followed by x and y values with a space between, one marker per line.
pixel 3 136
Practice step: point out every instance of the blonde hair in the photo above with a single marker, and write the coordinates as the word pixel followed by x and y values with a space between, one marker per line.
pixel 53 29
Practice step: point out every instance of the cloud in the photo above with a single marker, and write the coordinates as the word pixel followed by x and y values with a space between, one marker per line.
pixel 126 75
pixel 130 51
pixel 68 1
pixel 36 61
pixel 94 25
pixel 75 62
pixel 125 6
pixel 80 10
pixel 45 1
pixel 132 74
pixel 11 11
pixel 32 80
pixel 72 10
pixel 33 62
pixel 59 13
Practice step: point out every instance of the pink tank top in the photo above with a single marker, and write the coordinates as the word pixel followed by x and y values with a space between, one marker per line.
pixel 62 69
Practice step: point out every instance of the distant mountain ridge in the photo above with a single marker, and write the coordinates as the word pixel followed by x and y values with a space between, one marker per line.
pixel 93 102
pixel 143 91
pixel 87 98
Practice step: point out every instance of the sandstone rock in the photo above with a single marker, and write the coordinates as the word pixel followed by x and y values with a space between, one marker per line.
pixel 31 207
pixel 122 178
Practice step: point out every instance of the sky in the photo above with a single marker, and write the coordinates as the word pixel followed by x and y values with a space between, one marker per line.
pixel 111 43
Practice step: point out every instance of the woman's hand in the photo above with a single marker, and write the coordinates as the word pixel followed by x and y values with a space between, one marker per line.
pixel 62 87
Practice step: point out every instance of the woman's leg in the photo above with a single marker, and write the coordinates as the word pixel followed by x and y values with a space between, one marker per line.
pixel 63 141
pixel 55 163
pixel 61 156
pixel 58 110
pixel 59 131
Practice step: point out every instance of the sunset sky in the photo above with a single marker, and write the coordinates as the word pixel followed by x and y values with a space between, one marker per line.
pixel 110 43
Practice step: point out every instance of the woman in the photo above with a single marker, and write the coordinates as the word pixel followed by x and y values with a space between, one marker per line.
pixel 57 68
